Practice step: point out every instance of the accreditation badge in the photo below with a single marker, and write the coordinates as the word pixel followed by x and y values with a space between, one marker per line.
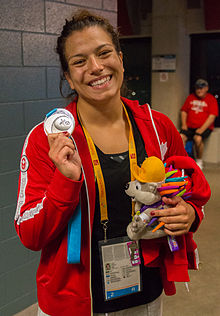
pixel 121 273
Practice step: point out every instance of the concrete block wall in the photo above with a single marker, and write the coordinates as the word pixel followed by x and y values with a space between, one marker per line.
pixel 29 88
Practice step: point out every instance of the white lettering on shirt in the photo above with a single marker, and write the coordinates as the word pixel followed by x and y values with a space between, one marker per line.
pixel 198 106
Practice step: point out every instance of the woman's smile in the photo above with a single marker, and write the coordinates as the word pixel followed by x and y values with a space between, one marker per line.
pixel 100 82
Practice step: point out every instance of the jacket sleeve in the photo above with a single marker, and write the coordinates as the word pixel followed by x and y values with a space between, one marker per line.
pixel 46 198
pixel 201 191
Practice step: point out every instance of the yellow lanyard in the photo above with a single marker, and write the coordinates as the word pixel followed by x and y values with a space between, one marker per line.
pixel 98 170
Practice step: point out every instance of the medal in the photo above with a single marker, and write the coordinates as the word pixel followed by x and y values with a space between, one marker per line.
pixel 59 120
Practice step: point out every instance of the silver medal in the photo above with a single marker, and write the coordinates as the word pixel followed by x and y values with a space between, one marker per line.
pixel 59 120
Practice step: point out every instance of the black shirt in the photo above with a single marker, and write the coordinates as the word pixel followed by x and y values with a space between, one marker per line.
pixel 116 173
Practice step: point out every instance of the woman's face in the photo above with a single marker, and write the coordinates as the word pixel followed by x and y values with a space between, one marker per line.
pixel 95 69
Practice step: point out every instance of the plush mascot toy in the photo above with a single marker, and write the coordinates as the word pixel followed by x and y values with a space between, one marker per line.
pixel 180 176
pixel 153 181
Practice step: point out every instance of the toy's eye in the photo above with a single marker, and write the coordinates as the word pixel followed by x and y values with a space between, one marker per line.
pixel 138 186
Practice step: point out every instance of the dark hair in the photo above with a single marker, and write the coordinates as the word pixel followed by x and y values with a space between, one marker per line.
pixel 79 21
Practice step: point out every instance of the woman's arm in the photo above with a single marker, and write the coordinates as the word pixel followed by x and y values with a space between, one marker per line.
pixel 46 197
pixel 189 214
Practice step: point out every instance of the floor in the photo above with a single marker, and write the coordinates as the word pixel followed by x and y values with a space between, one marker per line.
pixel 203 298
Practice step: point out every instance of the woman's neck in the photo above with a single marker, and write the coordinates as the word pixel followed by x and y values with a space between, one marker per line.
pixel 100 114
pixel 105 124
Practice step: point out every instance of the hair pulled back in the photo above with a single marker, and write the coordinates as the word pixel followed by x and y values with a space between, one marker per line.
pixel 81 20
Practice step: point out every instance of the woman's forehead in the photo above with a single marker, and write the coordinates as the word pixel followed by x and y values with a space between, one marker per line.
pixel 89 40
pixel 91 34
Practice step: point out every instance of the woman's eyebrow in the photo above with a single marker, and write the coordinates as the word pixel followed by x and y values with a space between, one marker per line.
pixel 96 50
pixel 103 45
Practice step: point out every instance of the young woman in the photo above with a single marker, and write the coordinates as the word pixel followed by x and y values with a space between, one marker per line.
pixel 109 132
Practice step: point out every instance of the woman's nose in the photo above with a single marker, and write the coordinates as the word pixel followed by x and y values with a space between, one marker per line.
pixel 95 64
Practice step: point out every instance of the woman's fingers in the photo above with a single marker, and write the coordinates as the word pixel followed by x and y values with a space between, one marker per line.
pixel 177 217
pixel 176 232
pixel 64 155
pixel 58 141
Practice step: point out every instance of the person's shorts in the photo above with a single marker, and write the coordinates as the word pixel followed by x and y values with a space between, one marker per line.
pixel 192 131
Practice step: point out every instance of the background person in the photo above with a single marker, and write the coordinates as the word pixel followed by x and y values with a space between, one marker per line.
pixel 51 184
pixel 198 114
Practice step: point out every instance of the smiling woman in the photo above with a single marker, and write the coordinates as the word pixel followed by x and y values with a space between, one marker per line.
pixel 111 134
pixel 95 68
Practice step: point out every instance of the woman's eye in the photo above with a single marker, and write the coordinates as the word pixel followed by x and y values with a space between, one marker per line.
pixel 104 53
pixel 78 62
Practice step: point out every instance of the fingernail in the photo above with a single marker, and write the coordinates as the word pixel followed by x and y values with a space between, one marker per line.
pixel 152 213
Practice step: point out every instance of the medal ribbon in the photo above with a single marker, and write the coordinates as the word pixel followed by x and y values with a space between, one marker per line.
pixel 98 170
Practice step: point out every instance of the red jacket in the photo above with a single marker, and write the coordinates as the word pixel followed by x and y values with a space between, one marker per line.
pixel 47 200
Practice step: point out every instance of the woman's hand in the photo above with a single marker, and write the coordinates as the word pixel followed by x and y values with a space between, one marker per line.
pixel 64 155
pixel 178 217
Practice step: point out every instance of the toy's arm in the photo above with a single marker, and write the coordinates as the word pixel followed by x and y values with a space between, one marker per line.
pixel 137 206
pixel 138 228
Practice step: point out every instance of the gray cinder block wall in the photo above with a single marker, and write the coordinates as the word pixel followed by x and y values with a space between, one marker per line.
pixel 29 88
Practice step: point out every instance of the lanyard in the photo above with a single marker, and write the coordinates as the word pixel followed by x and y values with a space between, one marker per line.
pixel 98 170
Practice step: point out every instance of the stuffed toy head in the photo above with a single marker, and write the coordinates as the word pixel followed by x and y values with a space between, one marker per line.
pixel 148 177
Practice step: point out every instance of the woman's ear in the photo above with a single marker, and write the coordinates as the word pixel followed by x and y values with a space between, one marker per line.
pixel 120 56
pixel 67 76
pixel 121 59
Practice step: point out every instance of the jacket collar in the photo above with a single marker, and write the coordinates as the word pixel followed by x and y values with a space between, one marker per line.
pixel 138 111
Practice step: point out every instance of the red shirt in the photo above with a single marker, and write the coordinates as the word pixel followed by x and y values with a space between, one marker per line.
pixel 198 110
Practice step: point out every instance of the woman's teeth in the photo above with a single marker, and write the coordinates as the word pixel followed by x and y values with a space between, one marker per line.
pixel 100 81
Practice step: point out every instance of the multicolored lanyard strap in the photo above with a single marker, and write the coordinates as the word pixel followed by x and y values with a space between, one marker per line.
pixel 98 170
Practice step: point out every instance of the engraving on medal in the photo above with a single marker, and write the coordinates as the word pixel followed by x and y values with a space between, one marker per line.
pixel 61 123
